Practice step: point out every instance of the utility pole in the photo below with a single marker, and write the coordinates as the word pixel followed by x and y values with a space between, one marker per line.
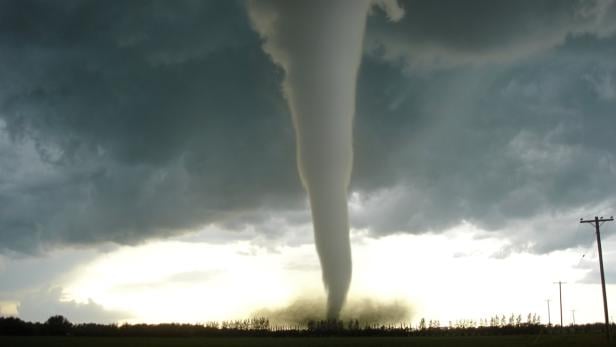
pixel 596 222
pixel 560 294
pixel 549 319
pixel 573 313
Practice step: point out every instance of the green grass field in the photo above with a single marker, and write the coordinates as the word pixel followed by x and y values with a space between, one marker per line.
pixel 544 340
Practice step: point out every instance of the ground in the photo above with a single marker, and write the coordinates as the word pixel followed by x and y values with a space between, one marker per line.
pixel 504 341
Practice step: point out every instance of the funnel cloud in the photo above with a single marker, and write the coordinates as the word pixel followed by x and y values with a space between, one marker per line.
pixel 319 44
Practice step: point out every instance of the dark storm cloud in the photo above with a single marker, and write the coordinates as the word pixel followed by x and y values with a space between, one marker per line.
pixel 497 146
pixel 149 117
pixel 121 121
pixel 448 33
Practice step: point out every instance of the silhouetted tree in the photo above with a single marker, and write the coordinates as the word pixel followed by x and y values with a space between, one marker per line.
pixel 14 326
pixel 57 325
pixel 422 324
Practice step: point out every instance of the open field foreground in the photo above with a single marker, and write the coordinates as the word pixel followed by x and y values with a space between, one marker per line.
pixel 525 340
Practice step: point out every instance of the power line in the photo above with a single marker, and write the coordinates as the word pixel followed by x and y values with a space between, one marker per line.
pixel 597 222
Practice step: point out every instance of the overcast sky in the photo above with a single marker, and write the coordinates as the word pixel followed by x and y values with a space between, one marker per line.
pixel 125 124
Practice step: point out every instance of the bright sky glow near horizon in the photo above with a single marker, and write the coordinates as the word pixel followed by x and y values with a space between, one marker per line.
pixel 447 277
pixel 148 168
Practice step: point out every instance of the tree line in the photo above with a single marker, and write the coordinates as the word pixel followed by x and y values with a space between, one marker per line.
pixel 499 325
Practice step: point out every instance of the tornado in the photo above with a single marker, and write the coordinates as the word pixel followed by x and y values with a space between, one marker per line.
pixel 318 44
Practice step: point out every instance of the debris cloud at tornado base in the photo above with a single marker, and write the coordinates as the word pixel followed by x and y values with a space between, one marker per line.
pixel 367 311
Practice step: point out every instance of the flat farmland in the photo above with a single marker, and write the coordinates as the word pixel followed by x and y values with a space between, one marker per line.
pixel 523 340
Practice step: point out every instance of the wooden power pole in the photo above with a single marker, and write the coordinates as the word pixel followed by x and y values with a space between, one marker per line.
pixel 560 294
pixel 549 318
pixel 597 222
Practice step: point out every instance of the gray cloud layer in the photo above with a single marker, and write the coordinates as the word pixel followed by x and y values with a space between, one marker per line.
pixel 449 33
pixel 122 121
pixel 40 305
